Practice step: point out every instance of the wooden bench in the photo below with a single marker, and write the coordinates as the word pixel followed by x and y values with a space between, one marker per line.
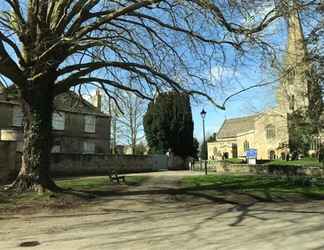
pixel 114 177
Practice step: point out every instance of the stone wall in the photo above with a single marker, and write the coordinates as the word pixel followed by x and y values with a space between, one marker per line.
pixel 82 164
pixel 7 161
pixel 223 168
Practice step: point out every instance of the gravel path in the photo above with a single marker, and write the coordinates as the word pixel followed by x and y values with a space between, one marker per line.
pixel 144 218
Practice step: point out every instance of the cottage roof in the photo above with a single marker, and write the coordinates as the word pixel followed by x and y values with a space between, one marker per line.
pixel 69 102
pixel 234 126
pixel 72 102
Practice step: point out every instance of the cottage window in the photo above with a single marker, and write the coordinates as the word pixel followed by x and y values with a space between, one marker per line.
pixel 89 147
pixel 270 132
pixel 246 146
pixel 58 121
pixel 56 147
pixel 17 116
pixel 90 124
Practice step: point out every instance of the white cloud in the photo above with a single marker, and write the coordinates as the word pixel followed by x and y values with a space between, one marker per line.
pixel 219 73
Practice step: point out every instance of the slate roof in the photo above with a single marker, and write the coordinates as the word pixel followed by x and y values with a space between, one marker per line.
pixel 234 126
pixel 72 102
pixel 69 102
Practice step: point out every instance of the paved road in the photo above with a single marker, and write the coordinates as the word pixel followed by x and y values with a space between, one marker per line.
pixel 146 219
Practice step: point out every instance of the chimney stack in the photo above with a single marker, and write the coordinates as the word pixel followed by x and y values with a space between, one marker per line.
pixel 97 102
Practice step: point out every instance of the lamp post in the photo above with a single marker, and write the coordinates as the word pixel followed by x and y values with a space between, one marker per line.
pixel 203 115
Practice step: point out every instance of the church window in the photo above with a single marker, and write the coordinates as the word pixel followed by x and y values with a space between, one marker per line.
pixel 270 132
pixel 272 155
pixel 246 146
pixel 292 102
pixel 314 145
pixel 234 150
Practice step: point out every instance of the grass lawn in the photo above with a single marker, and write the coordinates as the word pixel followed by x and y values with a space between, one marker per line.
pixel 307 162
pixel 97 183
pixel 25 202
pixel 263 186
pixel 85 190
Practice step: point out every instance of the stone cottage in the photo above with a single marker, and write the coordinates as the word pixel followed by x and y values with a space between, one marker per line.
pixel 78 126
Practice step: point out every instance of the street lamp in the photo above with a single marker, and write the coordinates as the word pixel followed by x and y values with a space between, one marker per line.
pixel 203 115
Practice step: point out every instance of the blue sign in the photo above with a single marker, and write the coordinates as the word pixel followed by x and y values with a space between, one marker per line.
pixel 251 153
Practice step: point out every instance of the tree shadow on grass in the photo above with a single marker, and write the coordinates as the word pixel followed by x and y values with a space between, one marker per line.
pixel 242 194
pixel 264 192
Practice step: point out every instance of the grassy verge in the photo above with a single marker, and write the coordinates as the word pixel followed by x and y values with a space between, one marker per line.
pixel 234 161
pixel 307 162
pixel 97 183
pixel 264 186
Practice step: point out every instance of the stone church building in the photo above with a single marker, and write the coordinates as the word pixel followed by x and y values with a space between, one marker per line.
pixel 267 132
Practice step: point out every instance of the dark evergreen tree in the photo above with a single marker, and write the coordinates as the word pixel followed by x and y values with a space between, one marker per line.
pixel 168 124
pixel 195 149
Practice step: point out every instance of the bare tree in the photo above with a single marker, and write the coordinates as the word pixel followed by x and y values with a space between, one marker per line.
pixel 127 119
pixel 131 121
pixel 48 47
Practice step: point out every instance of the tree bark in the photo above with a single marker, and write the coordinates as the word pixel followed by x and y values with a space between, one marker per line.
pixel 37 106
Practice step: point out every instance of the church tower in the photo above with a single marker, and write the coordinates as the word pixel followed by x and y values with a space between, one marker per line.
pixel 293 91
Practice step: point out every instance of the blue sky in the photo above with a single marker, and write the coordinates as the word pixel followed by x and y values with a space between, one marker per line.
pixel 229 79
pixel 252 101
pixel 249 102
pixel 251 72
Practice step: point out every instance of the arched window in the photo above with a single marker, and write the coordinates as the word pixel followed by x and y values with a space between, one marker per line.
pixel 272 155
pixel 234 150
pixel 270 131
pixel 246 146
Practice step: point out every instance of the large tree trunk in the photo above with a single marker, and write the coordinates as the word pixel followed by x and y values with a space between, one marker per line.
pixel 34 174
